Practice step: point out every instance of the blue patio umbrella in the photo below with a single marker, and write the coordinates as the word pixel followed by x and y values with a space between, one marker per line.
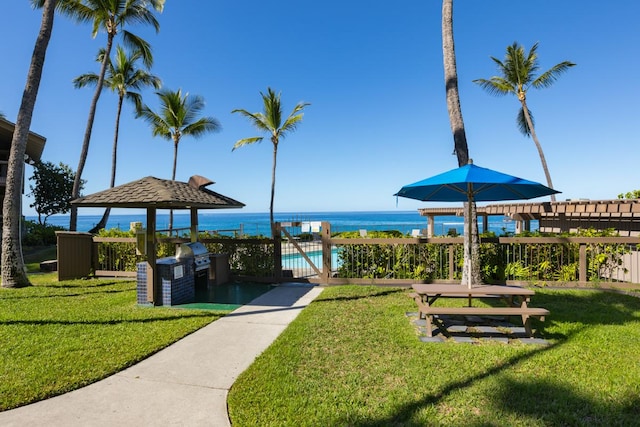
pixel 471 183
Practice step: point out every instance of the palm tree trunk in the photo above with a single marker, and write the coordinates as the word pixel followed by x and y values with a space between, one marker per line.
pixel 114 157
pixel 461 149
pixel 13 269
pixel 451 84
pixel 538 146
pixel 114 152
pixel 273 189
pixel 75 193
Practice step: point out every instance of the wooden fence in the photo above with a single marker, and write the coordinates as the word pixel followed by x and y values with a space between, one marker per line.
pixel 323 259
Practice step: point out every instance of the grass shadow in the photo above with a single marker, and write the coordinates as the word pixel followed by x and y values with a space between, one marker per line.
pixel 45 322
pixel 406 413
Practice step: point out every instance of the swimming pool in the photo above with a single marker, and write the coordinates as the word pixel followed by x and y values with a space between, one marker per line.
pixel 295 260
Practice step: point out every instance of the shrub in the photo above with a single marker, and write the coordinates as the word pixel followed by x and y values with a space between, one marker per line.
pixel 39 234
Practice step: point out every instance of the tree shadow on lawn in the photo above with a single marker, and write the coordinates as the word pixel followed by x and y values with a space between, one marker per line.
pixel 555 404
pixel 65 295
pixel 110 321
pixel 377 292
pixel 589 307
pixel 533 398
pixel 87 289
pixel 89 283
pixel 406 413
pixel 545 402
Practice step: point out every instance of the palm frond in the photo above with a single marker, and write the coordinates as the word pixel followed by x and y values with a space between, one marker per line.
pixel 137 11
pixel 247 141
pixel 85 80
pixel 522 124
pixel 139 44
pixel 258 120
pixel 202 126
pixel 549 77
pixel 496 86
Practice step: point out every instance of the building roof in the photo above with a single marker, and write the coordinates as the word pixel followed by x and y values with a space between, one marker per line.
pixel 35 142
pixel 151 192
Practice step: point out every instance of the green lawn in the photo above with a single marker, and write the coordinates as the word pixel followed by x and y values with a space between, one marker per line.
pixel 353 358
pixel 58 336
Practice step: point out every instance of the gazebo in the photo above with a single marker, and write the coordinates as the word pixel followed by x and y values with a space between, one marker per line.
pixel 153 193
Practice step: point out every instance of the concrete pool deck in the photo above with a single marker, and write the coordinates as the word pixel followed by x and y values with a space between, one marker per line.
pixel 186 383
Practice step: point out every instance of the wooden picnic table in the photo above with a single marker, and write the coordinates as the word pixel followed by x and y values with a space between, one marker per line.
pixel 517 302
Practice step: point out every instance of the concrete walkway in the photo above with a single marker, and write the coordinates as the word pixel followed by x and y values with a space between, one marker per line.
pixel 185 384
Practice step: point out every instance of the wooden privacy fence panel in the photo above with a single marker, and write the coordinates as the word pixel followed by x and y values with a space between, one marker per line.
pixel 74 254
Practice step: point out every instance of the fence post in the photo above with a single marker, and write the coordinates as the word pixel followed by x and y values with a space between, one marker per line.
pixel 452 259
pixel 277 252
pixel 583 263
pixel 326 251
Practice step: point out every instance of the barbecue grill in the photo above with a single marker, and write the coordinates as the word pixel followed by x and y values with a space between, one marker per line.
pixel 200 259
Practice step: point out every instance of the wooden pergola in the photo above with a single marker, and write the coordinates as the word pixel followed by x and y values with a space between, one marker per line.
pixel 622 215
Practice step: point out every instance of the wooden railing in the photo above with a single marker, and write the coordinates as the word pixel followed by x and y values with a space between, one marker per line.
pixel 567 261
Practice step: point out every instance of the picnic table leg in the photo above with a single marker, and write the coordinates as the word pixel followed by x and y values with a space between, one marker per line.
pixel 526 321
pixel 429 324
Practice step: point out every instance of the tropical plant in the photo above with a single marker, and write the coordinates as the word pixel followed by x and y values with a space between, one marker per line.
pixel 270 121
pixel 635 194
pixel 52 190
pixel 518 75
pixel 13 268
pixel 178 117
pixel 39 234
pixel 460 147
pixel 124 78
pixel 111 16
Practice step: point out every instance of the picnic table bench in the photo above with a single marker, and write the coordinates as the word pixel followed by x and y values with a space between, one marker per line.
pixel 517 300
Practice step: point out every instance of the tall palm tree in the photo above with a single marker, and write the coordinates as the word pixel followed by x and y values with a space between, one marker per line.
pixel 518 75
pixel 178 117
pixel 270 121
pixel 111 16
pixel 460 147
pixel 124 78
pixel 13 269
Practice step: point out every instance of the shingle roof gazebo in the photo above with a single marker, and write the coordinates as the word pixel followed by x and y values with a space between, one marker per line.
pixel 152 193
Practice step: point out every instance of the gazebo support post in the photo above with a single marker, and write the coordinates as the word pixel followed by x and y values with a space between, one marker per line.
pixel 194 224
pixel 154 291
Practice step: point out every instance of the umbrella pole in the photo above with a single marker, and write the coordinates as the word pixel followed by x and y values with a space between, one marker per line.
pixel 470 240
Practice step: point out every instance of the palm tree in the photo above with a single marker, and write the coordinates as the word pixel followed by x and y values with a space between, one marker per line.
pixel 270 121
pixel 460 147
pixel 13 269
pixel 125 79
pixel 111 16
pixel 178 117
pixel 518 75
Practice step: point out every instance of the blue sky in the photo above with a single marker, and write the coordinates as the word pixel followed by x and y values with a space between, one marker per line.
pixel 374 77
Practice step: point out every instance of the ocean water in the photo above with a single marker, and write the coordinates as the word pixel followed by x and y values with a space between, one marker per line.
pixel 258 223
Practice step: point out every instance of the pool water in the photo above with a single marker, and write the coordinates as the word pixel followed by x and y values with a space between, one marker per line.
pixel 295 260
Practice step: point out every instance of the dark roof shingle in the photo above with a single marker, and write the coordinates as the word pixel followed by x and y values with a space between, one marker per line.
pixel 151 192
